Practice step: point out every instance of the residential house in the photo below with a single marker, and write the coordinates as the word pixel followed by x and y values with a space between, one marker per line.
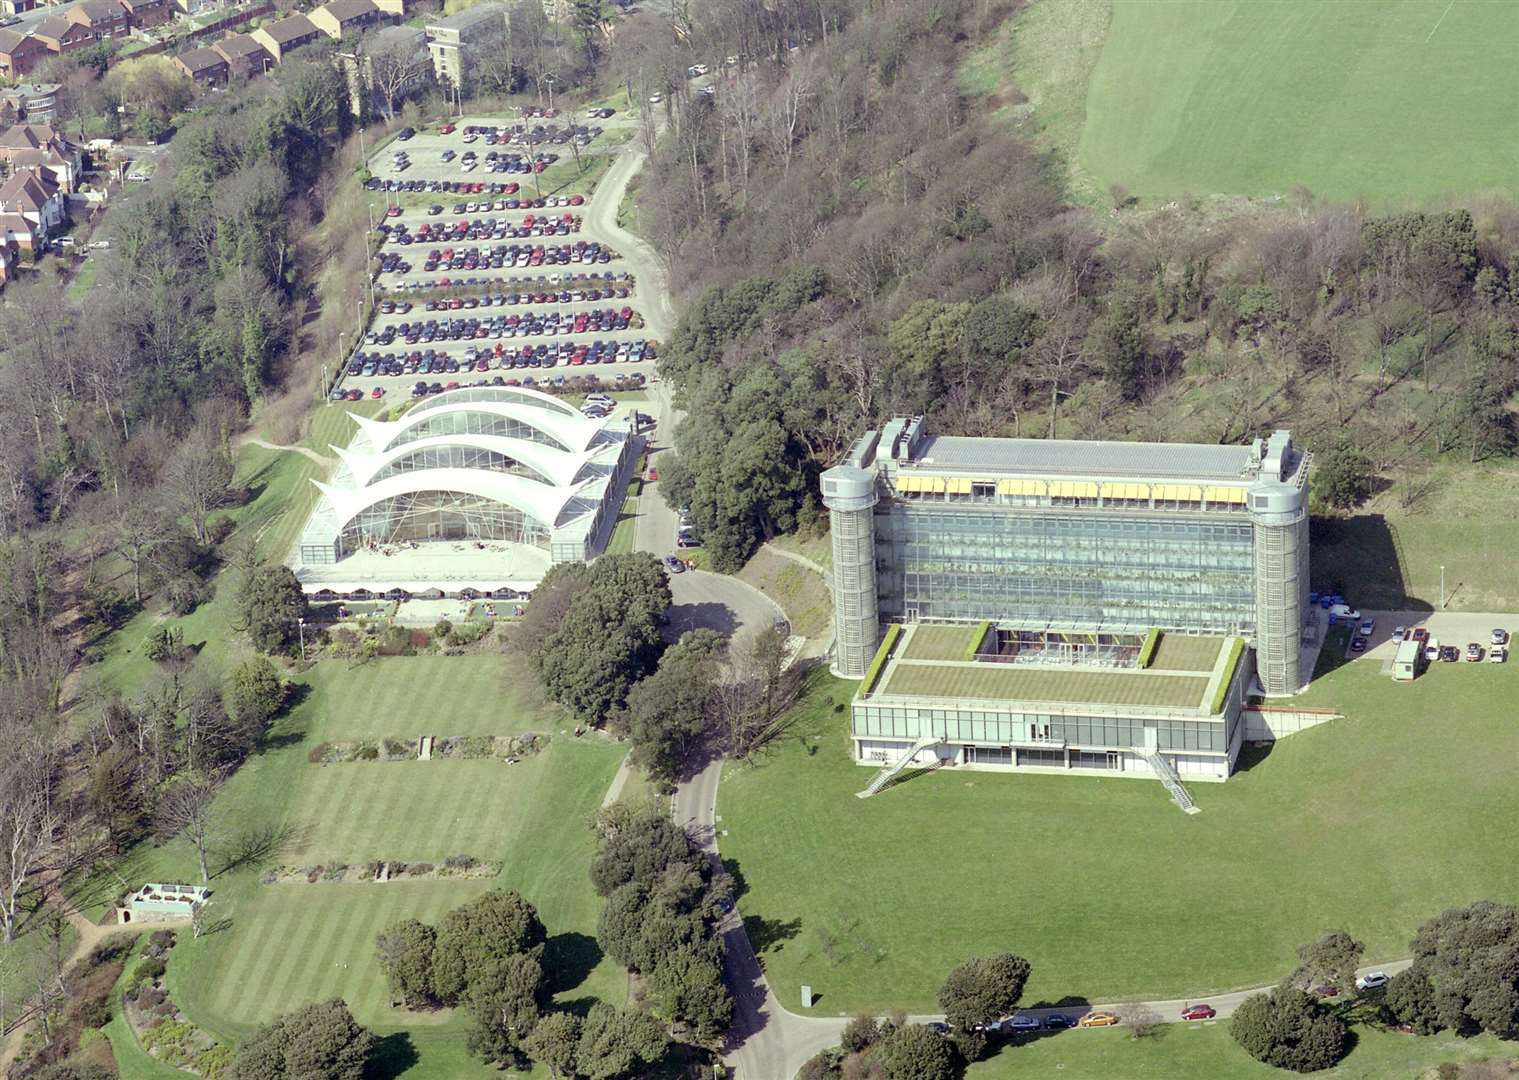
pixel 17 7
pixel 454 41
pixel 146 14
pixel 41 147
pixel 204 65
pixel 283 35
pixel 18 233
pixel 338 18
pixel 244 55
pixel 63 36
pixel 397 8
pixel 38 200
pixel 33 102
pixel 104 19
pixel 20 53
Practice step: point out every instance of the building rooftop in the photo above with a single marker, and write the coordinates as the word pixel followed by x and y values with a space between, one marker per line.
pixel 469 17
pixel 1067 457
pixel 238 45
pixel 204 59
pixel 290 29
pixel 343 10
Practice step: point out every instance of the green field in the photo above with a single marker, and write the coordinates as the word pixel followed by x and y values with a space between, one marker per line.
pixel 1206 1052
pixel 289 944
pixel 1396 101
pixel 998 682
pixel 1371 824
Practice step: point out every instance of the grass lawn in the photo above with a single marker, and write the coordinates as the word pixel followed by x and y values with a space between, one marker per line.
pixel 941 642
pixel 623 532
pixel 802 595
pixel 1178 652
pixel 1396 101
pixel 818 548
pixel 1009 683
pixel 1206 1052
pixel 1371 824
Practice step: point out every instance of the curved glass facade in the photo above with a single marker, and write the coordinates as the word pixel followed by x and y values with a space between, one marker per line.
pixel 475 423
pixel 458 456
pixel 439 515
pixel 508 394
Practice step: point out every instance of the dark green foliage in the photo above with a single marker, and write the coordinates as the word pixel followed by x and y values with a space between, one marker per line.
pixel 551 602
pixel 687 982
pixel 1289 1029
pixel 860 1033
pixel 405 950
pixel 666 713
pixel 255 695
pixel 504 999
pixel 318 1042
pixel 616 1043
pixel 75 1070
pixel 1469 958
pixel 164 642
pixel 913 1052
pixel 555 1043
pixel 497 925
pixel 639 846
pixel 1329 961
pixel 608 638
pixel 983 989
pixel 1117 347
pixel 270 604
pixel 999 329
pixel 1409 998
pixel 1342 476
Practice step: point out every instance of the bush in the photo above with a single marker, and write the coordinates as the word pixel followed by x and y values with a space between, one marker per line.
pixel 459 862
pixel 860 1033
pixel 367 752
pixel 94 1013
pixel 822 1066
pixel 421 869
pixel 1289 1029
pixel 443 629
pixel 162 940
pixel 319 753
pixel 149 969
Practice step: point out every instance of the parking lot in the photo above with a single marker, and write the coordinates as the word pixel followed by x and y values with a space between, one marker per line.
pixel 498 286
pixel 1458 628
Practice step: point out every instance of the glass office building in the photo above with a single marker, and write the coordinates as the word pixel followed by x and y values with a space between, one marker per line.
pixel 1081 536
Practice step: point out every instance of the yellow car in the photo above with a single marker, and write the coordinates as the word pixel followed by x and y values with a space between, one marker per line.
pixel 1098 1019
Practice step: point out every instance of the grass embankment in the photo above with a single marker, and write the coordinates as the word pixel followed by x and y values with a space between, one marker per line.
pixel 1395 102
pixel 1206 1052
pixel 800 592
pixel 1371 824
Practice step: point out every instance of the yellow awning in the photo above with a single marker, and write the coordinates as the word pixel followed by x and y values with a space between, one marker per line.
pixel 932 483
pixel 1020 487
pixel 1085 489
pixel 959 485
pixel 1232 495
pixel 909 483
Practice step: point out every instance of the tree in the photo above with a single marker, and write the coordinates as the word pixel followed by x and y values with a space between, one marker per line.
pixel 1410 999
pixel 270 605
pixel 638 845
pixel 493 927
pixel 396 66
pixel 614 1043
pixel 688 986
pixel 550 603
pixel 914 1052
pixel 1342 476
pixel 28 822
pixel 114 795
pixel 609 637
pixel 505 998
pixel 198 477
pixel 255 695
pixel 405 951
pixel 318 1042
pixel 186 806
pixel 666 713
pixel 555 1044
pixel 1140 1019
pixel 1465 972
pixel 1329 961
pixel 861 1033
pixel 983 989
pixel 165 642
pixel 1289 1029
pixel 1115 345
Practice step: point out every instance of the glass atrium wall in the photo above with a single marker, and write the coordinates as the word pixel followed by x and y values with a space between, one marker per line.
pixel 457 456
pixel 474 423
pixel 440 515
pixel 1012 728
pixel 1073 569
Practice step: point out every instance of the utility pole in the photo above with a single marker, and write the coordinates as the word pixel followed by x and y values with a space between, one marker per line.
pixel 1442 587
pixel 302 624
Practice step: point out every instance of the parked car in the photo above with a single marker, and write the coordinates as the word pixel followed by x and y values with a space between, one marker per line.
pixel 405 133
pixel 1473 652
pixel 1058 1022
pixel 1371 981
pixel 1368 627
pixel 653 475
pixel 674 565
pixel 1098 1019
pixel 1328 990
pixel 1399 633
pixel 1497 654
pixel 1358 644
pixel 1200 1011
pixel 1421 633
pixel 937 1027
pixel 1499 636
pixel 1450 654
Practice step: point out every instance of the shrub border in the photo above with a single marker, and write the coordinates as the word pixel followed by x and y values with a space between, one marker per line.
pixel 1231 666
pixel 873 672
pixel 1147 650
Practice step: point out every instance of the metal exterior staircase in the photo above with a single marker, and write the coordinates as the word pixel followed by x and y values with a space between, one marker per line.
pixel 1162 768
pixel 886 775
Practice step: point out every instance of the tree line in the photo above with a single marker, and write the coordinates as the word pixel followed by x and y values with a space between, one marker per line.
pixel 858 238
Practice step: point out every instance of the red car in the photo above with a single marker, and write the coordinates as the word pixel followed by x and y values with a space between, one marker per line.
pixel 1199 1012
pixel 653 476
pixel 377 392
pixel 446 129
pixel 393 211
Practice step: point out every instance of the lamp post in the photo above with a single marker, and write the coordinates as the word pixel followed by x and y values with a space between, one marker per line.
pixel 1442 587
pixel 301 623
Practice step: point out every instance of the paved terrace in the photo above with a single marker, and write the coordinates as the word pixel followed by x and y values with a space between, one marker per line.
pixel 928 663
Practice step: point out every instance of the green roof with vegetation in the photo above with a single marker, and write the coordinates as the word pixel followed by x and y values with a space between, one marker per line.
pixel 872 673
pixel 941 642
pixel 1009 682
pixel 1178 652
pixel 1236 650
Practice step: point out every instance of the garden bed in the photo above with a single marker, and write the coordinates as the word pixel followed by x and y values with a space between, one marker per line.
pixel 455 867
pixel 458 747
pixel 160 1028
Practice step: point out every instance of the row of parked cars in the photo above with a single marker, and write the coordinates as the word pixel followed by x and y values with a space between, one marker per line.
pixel 374 363
pixel 498 162
pixel 535 225
pixel 440 187
pixel 517 256
pixel 526 324
pixel 524 203
pixel 606 280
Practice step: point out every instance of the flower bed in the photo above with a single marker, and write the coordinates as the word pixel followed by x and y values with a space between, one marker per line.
pixel 504 747
pixel 162 1029
pixel 455 867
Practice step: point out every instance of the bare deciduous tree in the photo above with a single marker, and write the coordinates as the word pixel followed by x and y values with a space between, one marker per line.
pixel 186 807
pixel 28 823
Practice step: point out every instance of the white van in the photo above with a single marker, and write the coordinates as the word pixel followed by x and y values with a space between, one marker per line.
pixel 1344 613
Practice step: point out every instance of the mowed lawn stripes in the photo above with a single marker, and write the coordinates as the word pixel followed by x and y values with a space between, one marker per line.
pixel 415 811
pixel 996 682
pixel 307 943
